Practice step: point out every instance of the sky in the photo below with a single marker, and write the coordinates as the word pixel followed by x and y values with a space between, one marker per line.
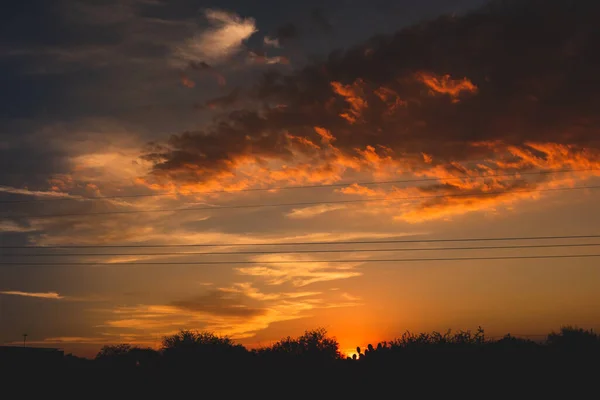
pixel 263 128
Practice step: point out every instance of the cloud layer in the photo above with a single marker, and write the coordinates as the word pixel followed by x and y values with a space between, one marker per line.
pixel 499 91
pixel 239 310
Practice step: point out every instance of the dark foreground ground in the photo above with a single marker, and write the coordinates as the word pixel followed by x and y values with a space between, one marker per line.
pixel 452 376
pixel 202 365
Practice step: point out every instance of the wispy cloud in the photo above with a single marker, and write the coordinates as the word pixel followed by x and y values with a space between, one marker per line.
pixel 55 296
pixel 268 41
pixel 350 297
pixel 248 290
pixel 156 229
pixel 41 295
pixel 298 270
pixel 240 311
pixel 310 212
pixel 10 226
pixel 219 42
pixel 37 193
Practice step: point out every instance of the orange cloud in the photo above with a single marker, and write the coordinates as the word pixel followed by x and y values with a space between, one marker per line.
pixel 355 188
pixel 330 164
pixel 326 135
pixel 298 270
pixel 187 82
pixel 444 84
pixel 313 211
pixel 459 189
pixel 353 94
pixel 391 98
pixel 305 141
pixel 537 118
pixel 213 313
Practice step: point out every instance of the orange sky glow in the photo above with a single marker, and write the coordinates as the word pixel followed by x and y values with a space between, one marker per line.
pixel 262 156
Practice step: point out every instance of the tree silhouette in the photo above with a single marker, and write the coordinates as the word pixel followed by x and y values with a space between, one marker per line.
pixel 574 339
pixel 313 345
pixel 312 365
pixel 201 349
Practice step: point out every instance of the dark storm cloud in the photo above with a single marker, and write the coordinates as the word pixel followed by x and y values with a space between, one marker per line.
pixel 25 162
pixel 221 102
pixel 57 54
pixel 219 303
pixel 287 32
pixel 455 88
pixel 29 165
pixel 67 61
pixel 72 59
pixel 321 20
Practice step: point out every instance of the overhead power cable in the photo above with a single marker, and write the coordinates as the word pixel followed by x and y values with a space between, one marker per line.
pixel 276 188
pixel 299 204
pixel 347 261
pixel 354 242
pixel 302 251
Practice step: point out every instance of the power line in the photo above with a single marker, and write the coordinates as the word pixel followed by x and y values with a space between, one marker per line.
pixel 308 203
pixel 364 183
pixel 389 241
pixel 306 261
pixel 301 251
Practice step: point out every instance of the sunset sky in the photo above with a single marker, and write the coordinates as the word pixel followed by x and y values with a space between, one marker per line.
pixel 250 125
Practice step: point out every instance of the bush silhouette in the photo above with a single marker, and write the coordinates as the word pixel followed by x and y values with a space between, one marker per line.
pixel 200 348
pixel 311 363
pixel 125 355
pixel 574 339
pixel 313 345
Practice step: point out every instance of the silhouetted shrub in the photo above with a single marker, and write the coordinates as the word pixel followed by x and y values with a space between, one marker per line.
pixel 125 355
pixel 436 341
pixel 313 345
pixel 513 344
pixel 574 339
pixel 200 348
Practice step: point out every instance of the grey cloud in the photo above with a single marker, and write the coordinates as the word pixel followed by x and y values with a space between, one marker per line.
pixel 222 102
pixel 220 303
pixel 321 20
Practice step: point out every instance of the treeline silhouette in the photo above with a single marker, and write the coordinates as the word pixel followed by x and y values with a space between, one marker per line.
pixel 311 365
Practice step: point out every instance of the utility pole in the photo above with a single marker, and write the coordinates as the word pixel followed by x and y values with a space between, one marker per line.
pixel 24 339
